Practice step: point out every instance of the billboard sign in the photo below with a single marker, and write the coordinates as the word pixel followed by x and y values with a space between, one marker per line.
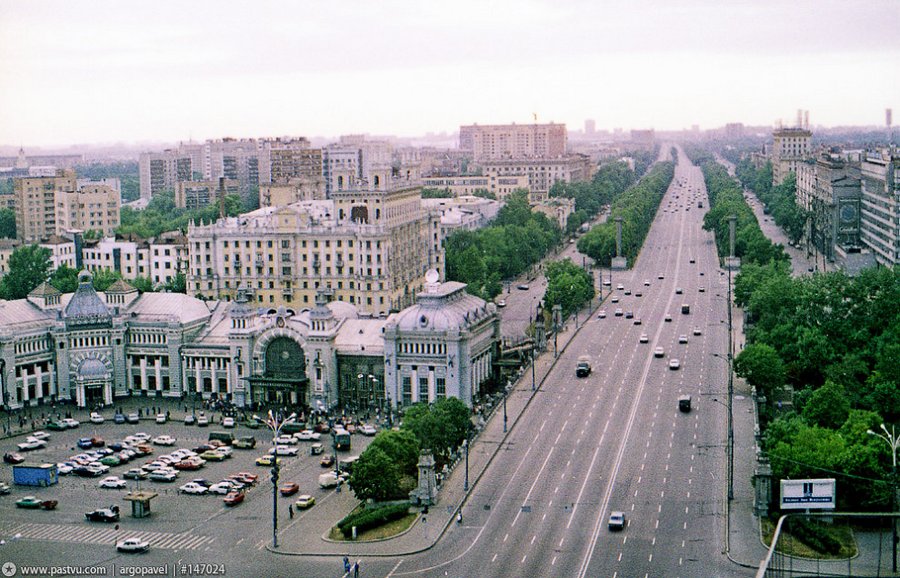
pixel 817 494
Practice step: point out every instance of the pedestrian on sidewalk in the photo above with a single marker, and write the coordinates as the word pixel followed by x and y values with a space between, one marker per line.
pixel 291 511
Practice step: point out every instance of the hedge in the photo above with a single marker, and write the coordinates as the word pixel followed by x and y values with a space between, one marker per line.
pixel 368 519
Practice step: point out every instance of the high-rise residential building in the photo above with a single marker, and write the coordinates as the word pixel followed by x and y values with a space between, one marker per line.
pixel 829 190
pixel 880 210
pixel 91 207
pixel 161 171
pixel 513 141
pixel 237 160
pixel 371 244
pixel 791 146
pixel 36 214
pixel 199 194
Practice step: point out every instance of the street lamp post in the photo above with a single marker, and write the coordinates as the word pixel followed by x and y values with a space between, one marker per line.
pixel 275 423
pixel 532 367
pixel 505 395
pixel 730 395
pixel 894 441
pixel 466 446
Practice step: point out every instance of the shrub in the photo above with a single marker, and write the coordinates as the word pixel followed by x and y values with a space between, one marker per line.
pixel 368 519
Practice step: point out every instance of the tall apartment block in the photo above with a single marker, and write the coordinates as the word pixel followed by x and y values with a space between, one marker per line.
pixel 791 147
pixel 829 190
pixel 93 207
pixel 36 213
pixel 513 141
pixel 161 171
pixel 880 215
pixel 371 244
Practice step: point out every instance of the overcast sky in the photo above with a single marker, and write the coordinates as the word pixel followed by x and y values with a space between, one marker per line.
pixel 86 71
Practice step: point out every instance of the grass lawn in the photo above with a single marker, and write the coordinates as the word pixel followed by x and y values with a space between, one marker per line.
pixel 794 547
pixel 386 531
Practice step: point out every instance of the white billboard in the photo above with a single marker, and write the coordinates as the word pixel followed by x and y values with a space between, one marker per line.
pixel 808 494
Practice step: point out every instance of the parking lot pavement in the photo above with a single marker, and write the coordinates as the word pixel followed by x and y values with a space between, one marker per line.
pixel 179 521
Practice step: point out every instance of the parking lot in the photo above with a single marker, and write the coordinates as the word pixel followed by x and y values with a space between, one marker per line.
pixel 178 520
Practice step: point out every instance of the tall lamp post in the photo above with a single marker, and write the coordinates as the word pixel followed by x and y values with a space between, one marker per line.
pixel 275 423
pixel 466 447
pixel 505 395
pixel 730 396
pixel 894 441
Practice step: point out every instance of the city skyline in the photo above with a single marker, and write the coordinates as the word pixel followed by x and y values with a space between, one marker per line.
pixel 102 72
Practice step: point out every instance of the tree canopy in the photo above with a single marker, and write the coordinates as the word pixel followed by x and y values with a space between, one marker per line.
pixel 162 215
pixel 568 285
pixel 7 223
pixel 29 266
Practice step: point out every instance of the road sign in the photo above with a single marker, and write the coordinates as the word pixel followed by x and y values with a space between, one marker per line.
pixel 816 494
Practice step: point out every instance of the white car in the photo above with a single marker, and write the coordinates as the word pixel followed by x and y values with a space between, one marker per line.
pixel 601 314
pixel 41 435
pixel 697 331
pixel 193 488
pixel 114 482
pixel 228 422
pixel 368 430
pixel 307 435
pixel 161 418
pixel 132 545
pixel 284 451
pixel 202 421
pixel 164 440
pixel 140 436
pixel 221 488
pixel 70 423
pixel 63 469
pixel 33 444
pixel 682 338
pixel 164 475
pixel 644 338
pixel 225 451
pixel 620 287
pixel 659 352
pixel 646 282
pixel 674 363
pixel 285 440
pixel 615 299
pixel 97 418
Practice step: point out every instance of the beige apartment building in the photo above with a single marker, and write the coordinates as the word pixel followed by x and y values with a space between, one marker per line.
pixel 36 209
pixel 499 186
pixel 89 208
pixel 791 146
pixel 371 244
pixel 513 141
pixel 541 174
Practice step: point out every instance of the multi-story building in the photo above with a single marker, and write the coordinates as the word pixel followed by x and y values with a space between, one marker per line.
pixel 199 194
pixel 513 141
pixel 463 212
pixel 339 160
pixel 880 211
pixel 62 252
pixel 557 209
pixel 23 161
pixel 499 186
pixel 36 213
pixel 159 259
pixel 234 159
pixel 92 207
pixel 161 171
pixel 290 158
pixel 371 244
pixel 790 147
pixel 829 189
pixel 92 347
pixel 542 173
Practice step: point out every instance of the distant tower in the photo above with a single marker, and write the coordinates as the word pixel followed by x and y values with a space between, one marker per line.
pixel 889 121
pixel 806 120
pixel 21 160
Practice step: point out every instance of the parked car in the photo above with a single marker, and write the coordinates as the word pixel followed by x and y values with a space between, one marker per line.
pixel 189 464
pixel 132 545
pixel 202 421
pixel 368 430
pixel 289 489
pixel 70 423
pixel 96 418
pixel 119 418
pixel 104 515
pixel 189 419
pixel 161 418
pixel 84 443
pixel 56 426
pixel 222 488
pixel 162 475
pixel 522 287
pixel 212 456
pixel 112 482
pixel 233 498
pixel 228 422
pixel 4 489
pixel 135 474
pixel 29 445
pixel 164 440
pixel 132 417
pixel 305 501
pixel 193 488
pixel 98 441
pixel 13 458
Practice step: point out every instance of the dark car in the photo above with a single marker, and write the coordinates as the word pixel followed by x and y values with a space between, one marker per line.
pixel 104 515
pixel 13 458
pixel 119 418
pixel 85 443
pixel 327 461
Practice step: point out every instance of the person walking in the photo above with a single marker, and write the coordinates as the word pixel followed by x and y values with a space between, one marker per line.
pixel 291 511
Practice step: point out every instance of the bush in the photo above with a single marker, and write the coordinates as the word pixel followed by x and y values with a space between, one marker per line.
pixel 368 519
pixel 815 536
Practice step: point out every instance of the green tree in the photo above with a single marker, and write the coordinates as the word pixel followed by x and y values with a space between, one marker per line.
pixel 7 223
pixel 375 476
pixel 760 365
pixel 142 284
pixel 29 266
pixel 103 278
pixel 401 447
pixel 441 427
pixel 827 406
pixel 65 279
pixel 177 284
pixel 568 285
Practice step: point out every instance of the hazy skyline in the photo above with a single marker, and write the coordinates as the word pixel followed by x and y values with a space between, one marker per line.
pixel 106 71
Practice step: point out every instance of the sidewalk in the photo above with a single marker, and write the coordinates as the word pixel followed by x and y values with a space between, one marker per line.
pixel 298 539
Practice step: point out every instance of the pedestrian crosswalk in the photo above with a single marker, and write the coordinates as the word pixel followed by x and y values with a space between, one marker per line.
pixel 104 535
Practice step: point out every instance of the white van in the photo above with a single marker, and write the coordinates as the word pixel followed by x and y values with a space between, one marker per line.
pixel 329 480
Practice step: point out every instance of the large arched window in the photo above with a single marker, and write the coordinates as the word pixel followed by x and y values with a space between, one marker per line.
pixel 284 359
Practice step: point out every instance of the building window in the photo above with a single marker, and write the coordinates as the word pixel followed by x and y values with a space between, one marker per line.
pixel 407 390
pixel 440 388
pixel 423 389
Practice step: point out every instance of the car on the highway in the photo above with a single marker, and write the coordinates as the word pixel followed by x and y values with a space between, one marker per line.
pixel 523 287
pixel 132 545
pixel 233 498
pixel 193 488
pixel 112 482
pixel 620 287
pixel 674 363
pixel 697 331
pixel 646 282
pixel 637 321
pixel 638 294
pixel 682 338
pixel 660 277
pixel 305 501
pixel 667 318
pixel 164 440
pixel 103 515
pixel 601 314
pixel 679 290
pixel 616 521
pixel 583 366
pixel 289 489
pixel 618 312
pixel 96 418
pixel 327 461
pixel 615 299
pixel 659 352
pixel 629 314
pixel 701 289
pixel 644 338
